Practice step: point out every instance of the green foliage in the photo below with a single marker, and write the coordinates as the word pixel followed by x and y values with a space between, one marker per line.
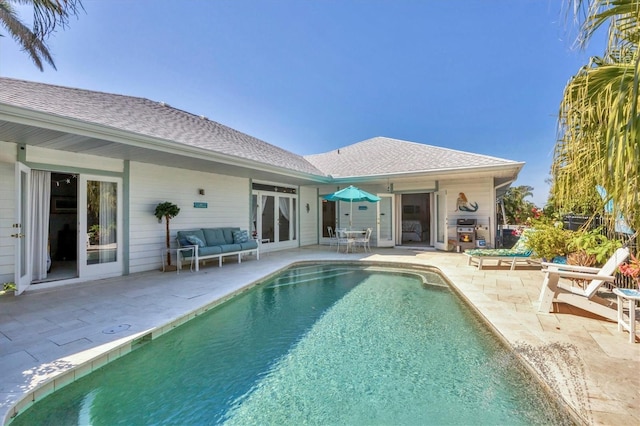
pixel 599 123
pixel 47 17
pixel 517 210
pixel 166 210
pixel 548 239
pixel 594 243
pixel 7 288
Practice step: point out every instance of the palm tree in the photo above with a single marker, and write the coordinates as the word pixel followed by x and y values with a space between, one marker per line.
pixel 516 209
pixel 47 16
pixel 599 121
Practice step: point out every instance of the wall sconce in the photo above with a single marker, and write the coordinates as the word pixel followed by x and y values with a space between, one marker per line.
pixel 307 207
pixel 201 191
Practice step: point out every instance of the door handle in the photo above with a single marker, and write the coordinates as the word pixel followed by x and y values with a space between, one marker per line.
pixel 17 235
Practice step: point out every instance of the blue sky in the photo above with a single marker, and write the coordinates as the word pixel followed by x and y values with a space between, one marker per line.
pixel 482 76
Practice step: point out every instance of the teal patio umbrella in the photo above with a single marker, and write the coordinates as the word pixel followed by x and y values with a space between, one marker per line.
pixel 351 194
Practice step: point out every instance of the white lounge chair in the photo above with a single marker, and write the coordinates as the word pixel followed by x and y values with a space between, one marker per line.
pixel 586 299
pixel 519 253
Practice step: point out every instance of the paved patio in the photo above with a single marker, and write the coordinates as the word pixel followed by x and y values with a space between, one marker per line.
pixel 45 334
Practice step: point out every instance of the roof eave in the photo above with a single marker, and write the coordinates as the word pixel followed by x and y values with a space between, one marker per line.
pixel 50 121
pixel 516 166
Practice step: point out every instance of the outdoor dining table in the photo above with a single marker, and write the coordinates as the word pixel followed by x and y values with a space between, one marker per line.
pixel 354 233
pixel 351 234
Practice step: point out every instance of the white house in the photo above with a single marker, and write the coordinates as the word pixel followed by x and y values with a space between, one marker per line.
pixel 75 163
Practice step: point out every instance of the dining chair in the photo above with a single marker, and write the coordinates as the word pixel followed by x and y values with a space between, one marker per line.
pixel 344 239
pixel 333 239
pixel 364 240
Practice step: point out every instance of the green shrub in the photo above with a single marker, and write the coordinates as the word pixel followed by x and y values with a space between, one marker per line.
pixel 548 240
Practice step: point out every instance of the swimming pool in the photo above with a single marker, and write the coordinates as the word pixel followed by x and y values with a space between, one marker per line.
pixel 317 344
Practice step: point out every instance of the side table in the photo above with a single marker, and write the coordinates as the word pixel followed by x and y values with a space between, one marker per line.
pixel 180 252
pixel 631 296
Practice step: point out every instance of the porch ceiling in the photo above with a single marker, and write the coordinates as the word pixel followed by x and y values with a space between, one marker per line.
pixel 159 153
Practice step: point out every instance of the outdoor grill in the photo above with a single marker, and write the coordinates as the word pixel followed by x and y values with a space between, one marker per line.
pixel 466 231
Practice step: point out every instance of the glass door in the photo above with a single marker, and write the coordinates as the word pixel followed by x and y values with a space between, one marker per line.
pixel 100 214
pixel 20 229
pixel 385 221
pixel 275 219
pixel 441 220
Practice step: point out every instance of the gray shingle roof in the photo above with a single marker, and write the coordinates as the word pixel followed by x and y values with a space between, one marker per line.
pixel 372 157
pixel 148 118
pixel 382 156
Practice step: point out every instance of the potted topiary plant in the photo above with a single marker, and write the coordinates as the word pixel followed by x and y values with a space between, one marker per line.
pixel 168 211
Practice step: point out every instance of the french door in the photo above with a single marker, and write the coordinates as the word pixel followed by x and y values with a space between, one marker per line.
pixel 275 219
pixel 100 226
pixel 20 228
pixel 441 242
pixel 385 221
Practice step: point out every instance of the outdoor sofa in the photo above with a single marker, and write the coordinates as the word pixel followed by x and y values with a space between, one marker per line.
pixel 212 243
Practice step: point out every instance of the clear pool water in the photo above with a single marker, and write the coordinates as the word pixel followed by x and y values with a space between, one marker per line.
pixel 316 345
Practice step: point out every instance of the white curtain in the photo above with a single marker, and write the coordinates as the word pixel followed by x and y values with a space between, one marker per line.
pixel 284 207
pixel 107 219
pixel 40 204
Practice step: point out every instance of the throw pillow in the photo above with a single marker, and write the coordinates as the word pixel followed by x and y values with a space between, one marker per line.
pixel 240 237
pixel 195 240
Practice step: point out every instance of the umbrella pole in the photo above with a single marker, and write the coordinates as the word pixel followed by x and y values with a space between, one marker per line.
pixel 351 215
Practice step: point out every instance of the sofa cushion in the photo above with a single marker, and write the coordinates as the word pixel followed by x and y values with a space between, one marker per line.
pixel 209 250
pixel 214 236
pixel 195 240
pixel 226 248
pixel 240 236
pixel 182 235
pixel 249 245
pixel 228 234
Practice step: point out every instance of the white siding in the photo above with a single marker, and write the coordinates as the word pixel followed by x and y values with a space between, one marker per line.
pixel 227 197
pixel 478 191
pixel 7 211
pixel 308 220
pixel 47 156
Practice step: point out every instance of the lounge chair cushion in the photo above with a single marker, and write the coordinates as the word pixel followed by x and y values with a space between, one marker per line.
pixel 519 249
pixel 498 252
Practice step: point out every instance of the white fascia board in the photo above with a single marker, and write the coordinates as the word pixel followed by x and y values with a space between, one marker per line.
pixel 515 166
